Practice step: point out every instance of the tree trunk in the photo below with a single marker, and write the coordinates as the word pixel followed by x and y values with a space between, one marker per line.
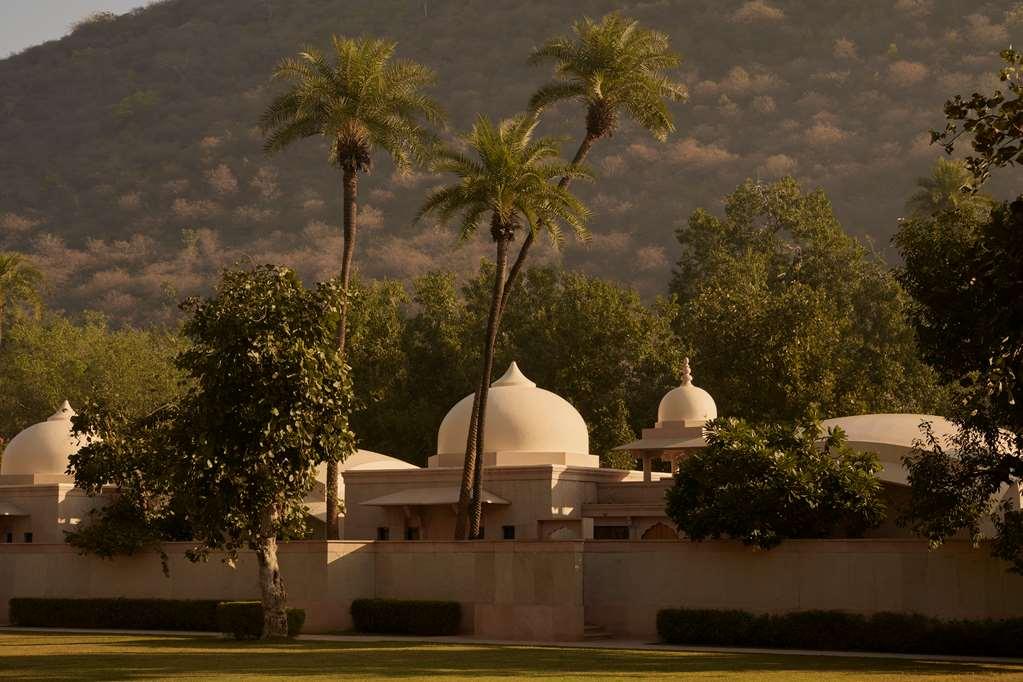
pixel 350 181
pixel 468 520
pixel 493 323
pixel 3 311
pixel 271 585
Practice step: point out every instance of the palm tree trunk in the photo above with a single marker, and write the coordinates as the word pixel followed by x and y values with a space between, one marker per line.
pixel 350 181
pixel 271 585
pixel 474 472
pixel 470 507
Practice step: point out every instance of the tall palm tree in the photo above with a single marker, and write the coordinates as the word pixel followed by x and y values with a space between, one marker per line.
pixel 509 178
pixel 942 190
pixel 21 285
pixel 608 66
pixel 362 102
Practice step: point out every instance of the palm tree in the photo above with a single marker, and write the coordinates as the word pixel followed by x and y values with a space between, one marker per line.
pixel 508 178
pixel 608 66
pixel 21 285
pixel 943 190
pixel 366 100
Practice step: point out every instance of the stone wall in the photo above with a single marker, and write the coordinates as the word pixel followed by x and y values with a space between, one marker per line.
pixel 515 590
pixel 547 590
pixel 626 583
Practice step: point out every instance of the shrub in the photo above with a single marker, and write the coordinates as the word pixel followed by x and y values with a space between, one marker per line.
pixel 407 616
pixel 133 614
pixel 244 619
pixel 837 630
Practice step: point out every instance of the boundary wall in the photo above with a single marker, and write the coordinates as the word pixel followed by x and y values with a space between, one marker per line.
pixel 548 590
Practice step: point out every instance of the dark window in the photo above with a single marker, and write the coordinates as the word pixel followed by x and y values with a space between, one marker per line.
pixel 508 532
pixel 411 533
pixel 610 532
pixel 9 537
pixel 28 537
pixel 383 533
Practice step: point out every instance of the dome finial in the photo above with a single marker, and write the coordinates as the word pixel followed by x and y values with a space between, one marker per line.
pixel 64 412
pixel 687 373
pixel 513 377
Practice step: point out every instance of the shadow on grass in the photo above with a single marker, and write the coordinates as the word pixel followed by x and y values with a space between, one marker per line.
pixel 104 657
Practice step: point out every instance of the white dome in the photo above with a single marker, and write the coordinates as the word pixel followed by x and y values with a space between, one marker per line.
pixel 43 448
pixel 520 418
pixel 364 460
pixel 687 402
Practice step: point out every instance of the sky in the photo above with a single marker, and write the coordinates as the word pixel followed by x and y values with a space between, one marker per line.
pixel 24 23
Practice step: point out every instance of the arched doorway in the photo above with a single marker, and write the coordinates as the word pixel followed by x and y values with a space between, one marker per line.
pixel 660 531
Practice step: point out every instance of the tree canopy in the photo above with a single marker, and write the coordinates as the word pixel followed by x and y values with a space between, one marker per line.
pixel 44 362
pixel 787 315
pixel 268 401
pixel 765 484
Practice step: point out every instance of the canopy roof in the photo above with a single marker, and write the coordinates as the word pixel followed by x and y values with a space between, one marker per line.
pixel 664 444
pixel 8 509
pixel 427 497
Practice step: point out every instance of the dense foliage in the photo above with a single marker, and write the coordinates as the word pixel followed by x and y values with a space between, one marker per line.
pixel 44 362
pixel 841 631
pixel 123 614
pixel 965 271
pixel 268 401
pixel 166 99
pixel 788 316
pixel 407 616
pixel 762 485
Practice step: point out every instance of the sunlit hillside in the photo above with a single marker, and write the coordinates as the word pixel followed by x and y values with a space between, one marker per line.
pixel 132 169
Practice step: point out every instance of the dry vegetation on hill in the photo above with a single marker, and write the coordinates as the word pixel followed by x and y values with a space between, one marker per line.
pixel 132 168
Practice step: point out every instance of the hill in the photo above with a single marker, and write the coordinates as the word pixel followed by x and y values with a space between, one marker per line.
pixel 132 169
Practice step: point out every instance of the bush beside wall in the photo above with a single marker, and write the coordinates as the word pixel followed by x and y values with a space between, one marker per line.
pixel 244 619
pixel 132 614
pixel 406 616
pixel 836 630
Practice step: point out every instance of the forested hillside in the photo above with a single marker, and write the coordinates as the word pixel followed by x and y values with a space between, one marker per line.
pixel 131 165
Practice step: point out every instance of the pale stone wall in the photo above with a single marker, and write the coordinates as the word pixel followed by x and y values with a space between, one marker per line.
pixel 547 590
pixel 517 590
pixel 626 583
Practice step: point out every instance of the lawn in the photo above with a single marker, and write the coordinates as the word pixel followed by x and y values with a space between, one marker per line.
pixel 44 656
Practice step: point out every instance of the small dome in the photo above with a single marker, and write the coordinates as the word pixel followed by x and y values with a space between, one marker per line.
pixel 687 402
pixel 520 418
pixel 43 448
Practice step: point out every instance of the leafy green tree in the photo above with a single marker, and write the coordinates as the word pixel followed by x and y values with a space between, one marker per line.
pixel 944 189
pixel 965 272
pixel 788 316
pixel 46 361
pixel 510 182
pixel 765 484
pixel 994 123
pixel 268 402
pixel 21 286
pixel 966 276
pixel 380 365
pixel 366 100
pixel 608 66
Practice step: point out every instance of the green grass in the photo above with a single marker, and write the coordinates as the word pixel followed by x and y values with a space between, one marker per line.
pixel 45 656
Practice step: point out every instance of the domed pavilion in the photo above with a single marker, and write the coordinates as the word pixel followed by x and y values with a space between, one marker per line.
pixel 38 498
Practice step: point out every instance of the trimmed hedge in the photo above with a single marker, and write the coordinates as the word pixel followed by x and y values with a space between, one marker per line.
pixel 840 631
pixel 130 614
pixel 407 616
pixel 244 619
